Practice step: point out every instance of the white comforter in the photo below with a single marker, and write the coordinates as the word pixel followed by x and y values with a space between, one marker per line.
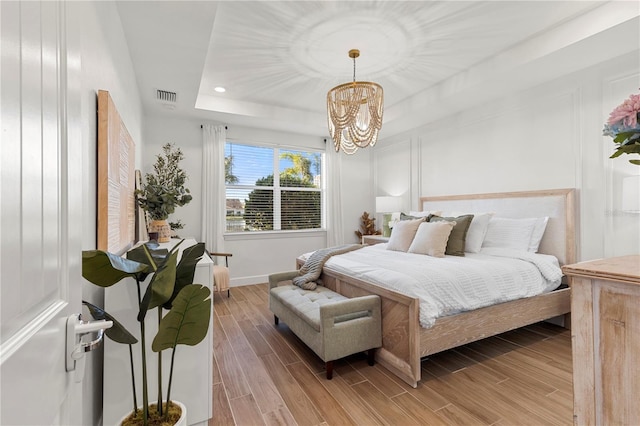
pixel 452 284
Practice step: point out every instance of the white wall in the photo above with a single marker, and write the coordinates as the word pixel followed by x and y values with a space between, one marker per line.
pixel 106 65
pixel 185 134
pixel 546 137
pixel 357 192
pixel 622 229
pixel 258 255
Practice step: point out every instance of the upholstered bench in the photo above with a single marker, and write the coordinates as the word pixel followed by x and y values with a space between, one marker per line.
pixel 332 325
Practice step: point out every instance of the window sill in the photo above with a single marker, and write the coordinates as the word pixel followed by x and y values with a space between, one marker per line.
pixel 265 235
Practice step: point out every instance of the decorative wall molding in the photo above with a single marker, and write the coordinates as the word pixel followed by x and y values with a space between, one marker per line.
pixel 543 138
pixel 396 182
pixel 621 230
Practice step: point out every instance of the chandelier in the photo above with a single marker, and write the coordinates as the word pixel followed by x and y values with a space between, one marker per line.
pixel 354 112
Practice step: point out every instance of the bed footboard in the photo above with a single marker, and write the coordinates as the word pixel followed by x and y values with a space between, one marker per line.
pixel 453 331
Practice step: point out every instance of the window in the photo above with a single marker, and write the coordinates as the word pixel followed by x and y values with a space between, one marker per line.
pixel 258 199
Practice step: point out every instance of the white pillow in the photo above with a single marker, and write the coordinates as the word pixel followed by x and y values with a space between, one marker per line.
pixel 477 230
pixel 425 213
pixel 509 233
pixel 431 238
pixel 538 232
pixel 402 234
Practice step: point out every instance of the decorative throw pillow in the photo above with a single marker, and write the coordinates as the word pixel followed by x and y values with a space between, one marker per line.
pixel 509 233
pixel 404 216
pixel 402 234
pixel 456 242
pixel 431 238
pixel 477 230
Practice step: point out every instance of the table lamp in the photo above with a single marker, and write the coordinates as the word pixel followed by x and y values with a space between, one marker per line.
pixel 387 205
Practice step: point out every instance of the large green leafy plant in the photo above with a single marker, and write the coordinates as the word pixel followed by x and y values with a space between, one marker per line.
pixel 164 189
pixel 169 289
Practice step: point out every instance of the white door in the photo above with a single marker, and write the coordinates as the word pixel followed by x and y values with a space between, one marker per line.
pixel 40 211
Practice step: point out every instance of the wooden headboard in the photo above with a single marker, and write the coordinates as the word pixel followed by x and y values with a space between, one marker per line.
pixel 559 238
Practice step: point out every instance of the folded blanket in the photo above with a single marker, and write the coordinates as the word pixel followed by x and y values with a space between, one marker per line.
pixel 312 268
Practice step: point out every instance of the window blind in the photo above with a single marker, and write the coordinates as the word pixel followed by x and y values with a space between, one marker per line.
pixel 272 188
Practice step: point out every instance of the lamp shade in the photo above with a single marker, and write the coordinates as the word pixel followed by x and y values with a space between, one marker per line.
pixel 388 204
pixel 631 194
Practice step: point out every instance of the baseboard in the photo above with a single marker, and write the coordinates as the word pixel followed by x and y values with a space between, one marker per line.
pixel 256 279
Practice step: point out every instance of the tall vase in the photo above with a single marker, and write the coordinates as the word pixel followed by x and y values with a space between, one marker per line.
pixel 162 228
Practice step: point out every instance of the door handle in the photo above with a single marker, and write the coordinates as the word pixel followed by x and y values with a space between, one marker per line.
pixel 77 329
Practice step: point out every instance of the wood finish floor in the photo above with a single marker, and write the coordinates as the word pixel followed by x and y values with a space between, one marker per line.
pixel 264 375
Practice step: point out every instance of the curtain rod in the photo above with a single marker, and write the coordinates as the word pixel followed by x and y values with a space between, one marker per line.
pixel 225 127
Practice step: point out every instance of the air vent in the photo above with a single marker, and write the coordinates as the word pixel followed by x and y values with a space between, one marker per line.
pixel 166 96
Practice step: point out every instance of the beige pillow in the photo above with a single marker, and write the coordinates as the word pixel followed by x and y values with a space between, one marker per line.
pixel 402 234
pixel 431 238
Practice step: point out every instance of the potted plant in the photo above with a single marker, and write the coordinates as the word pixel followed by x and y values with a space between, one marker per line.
pixel 170 289
pixel 164 190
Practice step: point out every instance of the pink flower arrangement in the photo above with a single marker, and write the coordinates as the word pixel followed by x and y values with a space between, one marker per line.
pixel 623 127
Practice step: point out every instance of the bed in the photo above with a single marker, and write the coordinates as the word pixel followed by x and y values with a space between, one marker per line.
pixel 405 341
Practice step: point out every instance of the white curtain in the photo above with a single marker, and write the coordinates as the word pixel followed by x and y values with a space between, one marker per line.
pixel 335 232
pixel 213 187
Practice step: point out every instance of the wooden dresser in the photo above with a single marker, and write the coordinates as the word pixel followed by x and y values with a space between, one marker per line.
pixel 605 328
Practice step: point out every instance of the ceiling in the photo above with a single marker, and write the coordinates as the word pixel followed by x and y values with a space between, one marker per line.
pixel 278 59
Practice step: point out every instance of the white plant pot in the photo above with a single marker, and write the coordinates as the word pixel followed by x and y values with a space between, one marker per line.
pixel 182 421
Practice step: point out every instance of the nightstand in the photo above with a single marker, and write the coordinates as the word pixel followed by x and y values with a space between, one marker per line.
pixel 605 313
pixel 374 239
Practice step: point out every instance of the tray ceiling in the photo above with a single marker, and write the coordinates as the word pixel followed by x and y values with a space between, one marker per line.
pixel 278 59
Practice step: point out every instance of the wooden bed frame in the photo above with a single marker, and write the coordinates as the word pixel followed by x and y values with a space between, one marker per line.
pixel 405 342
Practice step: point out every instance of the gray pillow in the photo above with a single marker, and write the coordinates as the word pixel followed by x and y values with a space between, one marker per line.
pixel 404 216
pixel 457 239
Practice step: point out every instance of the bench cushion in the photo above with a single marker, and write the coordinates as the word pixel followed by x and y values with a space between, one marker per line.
pixel 306 303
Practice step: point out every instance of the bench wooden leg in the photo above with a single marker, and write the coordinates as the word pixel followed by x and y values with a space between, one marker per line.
pixel 371 356
pixel 329 367
pixel 276 319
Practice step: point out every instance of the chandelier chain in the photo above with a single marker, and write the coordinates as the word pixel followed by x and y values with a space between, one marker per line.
pixel 354 69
